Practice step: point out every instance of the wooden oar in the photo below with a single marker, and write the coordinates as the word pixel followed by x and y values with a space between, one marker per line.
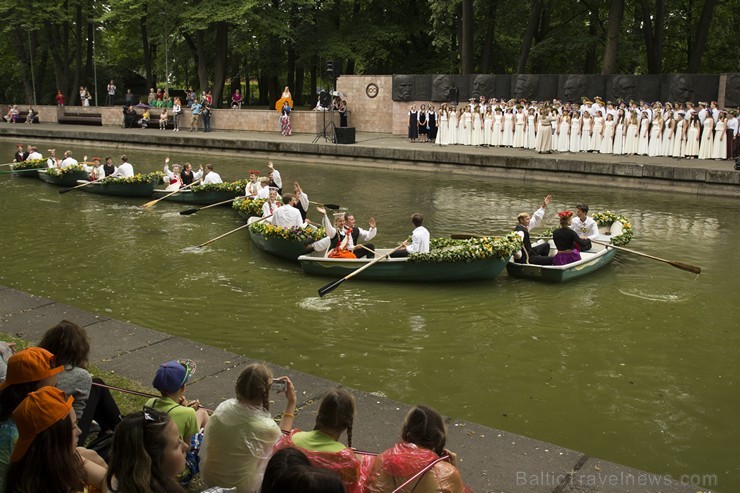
pixel 151 203
pixel 324 290
pixel 679 265
pixel 20 171
pixel 467 236
pixel 138 393
pixel 65 190
pixel 328 206
pixel 9 164
pixel 232 231
pixel 193 211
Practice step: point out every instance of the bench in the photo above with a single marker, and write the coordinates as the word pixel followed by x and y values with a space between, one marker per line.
pixel 154 122
pixel 80 118
pixel 23 116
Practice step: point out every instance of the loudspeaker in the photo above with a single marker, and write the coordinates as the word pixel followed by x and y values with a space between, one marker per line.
pixel 325 99
pixel 344 135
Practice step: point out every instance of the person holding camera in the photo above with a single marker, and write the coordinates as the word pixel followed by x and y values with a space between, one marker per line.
pixel 241 433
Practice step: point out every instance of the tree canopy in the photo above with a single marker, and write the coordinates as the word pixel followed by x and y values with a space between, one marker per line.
pixel 222 44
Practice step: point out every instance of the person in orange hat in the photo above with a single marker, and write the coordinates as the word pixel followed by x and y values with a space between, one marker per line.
pixel 28 370
pixel 45 457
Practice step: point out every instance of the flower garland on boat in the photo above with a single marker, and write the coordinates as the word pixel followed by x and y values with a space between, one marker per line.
pixel 246 207
pixel 470 250
pixel 30 164
pixel 155 176
pixel 270 231
pixel 234 186
pixel 74 168
pixel 607 218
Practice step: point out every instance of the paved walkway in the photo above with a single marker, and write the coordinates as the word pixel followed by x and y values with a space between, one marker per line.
pixel 490 460
pixel 383 150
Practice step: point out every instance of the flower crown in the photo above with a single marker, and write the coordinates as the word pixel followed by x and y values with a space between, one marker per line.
pixel 563 214
pixel 254 172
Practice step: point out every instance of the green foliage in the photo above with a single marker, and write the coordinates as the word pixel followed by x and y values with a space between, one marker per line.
pixel 269 231
pixel 234 186
pixel 251 207
pixel 155 176
pixel 75 168
pixel 30 164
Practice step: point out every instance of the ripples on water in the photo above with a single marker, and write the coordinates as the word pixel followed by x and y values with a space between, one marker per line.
pixel 636 363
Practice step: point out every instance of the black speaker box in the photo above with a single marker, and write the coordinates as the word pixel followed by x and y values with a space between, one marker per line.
pixel 325 99
pixel 344 135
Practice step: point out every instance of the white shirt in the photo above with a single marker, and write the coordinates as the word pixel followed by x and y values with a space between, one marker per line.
pixel 124 170
pixel 264 193
pixel 51 162
pixel 732 124
pixel 288 217
pixel 277 178
pixel 419 241
pixel 252 189
pixel 212 178
pixel 587 228
pixel 34 155
pixel 269 208
pixel 69 161
pixel 536 218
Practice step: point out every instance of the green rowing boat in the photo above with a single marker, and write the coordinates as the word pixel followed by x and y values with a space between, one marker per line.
pixel 64 177
pixel 196 197
pixel 134 186
pixel 591 261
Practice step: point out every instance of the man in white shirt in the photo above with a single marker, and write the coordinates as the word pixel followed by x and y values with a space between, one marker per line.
pixel 68 160
pixel 124 170
pixel 287 216
pixel 732 130
pixel 264 191
pixel 584 225
pixel 211 177
pixel 33 153
pixel 532 254
pixel 419 239
pixel 360 237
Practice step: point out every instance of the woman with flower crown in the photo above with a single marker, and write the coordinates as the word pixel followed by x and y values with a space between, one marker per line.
pixel 567 241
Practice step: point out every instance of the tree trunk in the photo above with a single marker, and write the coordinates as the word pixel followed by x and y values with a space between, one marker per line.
pixel 146 49
pixel 291 70
pixel 78 57
pixel 298 94
pixel 468 62
pixel 611 50
pixel 534 18
pixel 590 65
pixel 459 32
pixel 653 26
pixel 58 59
pixel 314 80
pixel 700 40
pixel 22 54
pixel 220 62
pixel 89 55
pixel 487 62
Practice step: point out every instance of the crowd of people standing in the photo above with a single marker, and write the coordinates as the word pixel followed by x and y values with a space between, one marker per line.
pixel 682 130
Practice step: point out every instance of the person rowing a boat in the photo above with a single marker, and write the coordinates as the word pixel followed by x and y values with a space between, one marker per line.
pixel 33 153
pixel 210 178
pixel 124 170
pixel 271 204
pixel 419 239
pixel 360 236
pixel 68 160
pixel 584 225
pixel 253 186
pixel 288 216
pixel 537 254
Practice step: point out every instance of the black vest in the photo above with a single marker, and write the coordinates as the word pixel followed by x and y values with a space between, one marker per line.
pixel 527 244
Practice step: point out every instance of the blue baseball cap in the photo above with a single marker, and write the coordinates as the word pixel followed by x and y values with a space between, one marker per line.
pixel 171 376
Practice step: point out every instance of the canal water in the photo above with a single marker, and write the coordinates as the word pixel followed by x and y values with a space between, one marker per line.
pixel 637 363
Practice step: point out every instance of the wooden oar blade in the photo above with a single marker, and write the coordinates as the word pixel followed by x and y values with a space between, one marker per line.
pixel 330 287
pixel 65 190
pixel 332 206
pixel 188 212
pixel 150 203
pixel 687 267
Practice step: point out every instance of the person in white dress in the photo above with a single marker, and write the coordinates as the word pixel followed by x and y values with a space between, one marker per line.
pixel 554 119
pixel 488 127
pixel 575 132
pixel 656 136
pixel 508 136
pixel 707 139
pixel 643 142
pixel 519 124
pixel 692 137
pixel 619 128
pixel 607 141
pixel 443 136
pixel 669 126
pixel 632 135
pixel 531 129
pixel 564 133
pixel 497 132
pixel 598 131
pixel 719 151
pixel 477 128
pixel 586 132
pixel 452 125
pixel 679 137
pixel 466 127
